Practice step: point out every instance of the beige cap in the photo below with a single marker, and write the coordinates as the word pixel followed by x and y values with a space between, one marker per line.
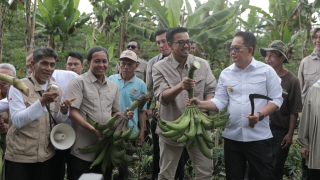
pixel 130 55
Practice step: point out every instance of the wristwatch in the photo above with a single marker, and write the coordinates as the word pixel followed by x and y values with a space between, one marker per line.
pixel 261 116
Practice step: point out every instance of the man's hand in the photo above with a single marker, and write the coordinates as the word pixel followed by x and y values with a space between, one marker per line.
pixel 140 141
pixel 65 105
pixel 195 100
pixel 129 113
pixel 99 134
pixel 187 83
pixel 287 141
pixel 48 97
pixel 253 119
pixel 3 126
pixel 304 152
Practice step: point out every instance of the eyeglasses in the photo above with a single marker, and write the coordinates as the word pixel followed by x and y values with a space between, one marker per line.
pixel 182 43
pixel 315 37
pixel 131 46
pixel 236 49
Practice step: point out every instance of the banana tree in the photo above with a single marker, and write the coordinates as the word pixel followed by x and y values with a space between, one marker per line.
pixel 59 17
pixel 5 6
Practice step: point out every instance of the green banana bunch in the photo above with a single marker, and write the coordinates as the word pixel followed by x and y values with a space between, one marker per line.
pixel 115 141
pixel 191 127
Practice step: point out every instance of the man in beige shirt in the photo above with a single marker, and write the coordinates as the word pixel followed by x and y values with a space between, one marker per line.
pixel 97 98
pixel 141 71
pixel 170 88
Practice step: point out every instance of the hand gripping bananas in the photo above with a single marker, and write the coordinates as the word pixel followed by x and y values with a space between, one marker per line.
pixel 191 127
pixel 116 139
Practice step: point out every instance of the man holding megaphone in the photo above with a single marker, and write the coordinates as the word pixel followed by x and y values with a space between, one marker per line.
pixel 29 150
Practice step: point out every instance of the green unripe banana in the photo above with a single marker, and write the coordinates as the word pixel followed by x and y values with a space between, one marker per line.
pixel 114 151
pixel 192 132
pixel 94 147
pixel 100 157
pixel 111 121
pixel 108 133
pixel 135 136
pixel 181 126
pixel 179 135
pixel 202 147
pixel 182 139
pixel 115 161
pixel 199 129
pixel 190 143
pixel 170 134
pixel 106 161
pixel 127 134
pixel 163 127
pixel 206 137
pixel 132 148
pixel 124 144
pixel 117 135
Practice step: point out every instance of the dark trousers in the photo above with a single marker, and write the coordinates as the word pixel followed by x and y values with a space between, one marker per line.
pixel 304 170
pixel 156 156
pixel 80 167
pixel 59 160
pixel 313 174
pixel 29 171
pixel 279 155
pixel 257 153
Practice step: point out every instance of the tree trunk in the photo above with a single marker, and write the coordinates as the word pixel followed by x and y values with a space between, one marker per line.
pixel 33 24
pixel 51 41
pixel 306 42
pixel 124 33
pixel 3 11
pixel 120 40
pixel 94 26
pixel 28 25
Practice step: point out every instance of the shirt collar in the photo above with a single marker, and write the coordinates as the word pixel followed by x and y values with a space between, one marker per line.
pixel 253 64
pixel 94 79
pixel 175 63
pixel 53 76
pixel 131 80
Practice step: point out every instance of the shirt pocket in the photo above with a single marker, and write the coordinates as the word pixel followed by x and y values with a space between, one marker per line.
pixel 26 141
pixel 199 87
pixel 310 76
pixel 107 101
pixel 234 90
pixel 257 84
pixel 90 102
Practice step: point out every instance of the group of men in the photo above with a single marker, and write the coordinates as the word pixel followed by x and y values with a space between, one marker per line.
pixel 262 140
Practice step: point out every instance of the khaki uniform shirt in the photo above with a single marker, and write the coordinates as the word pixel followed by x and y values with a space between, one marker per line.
pixel 141 71
pixel 95 100
pixel 309 73
pixel 31 143
pixel 167 74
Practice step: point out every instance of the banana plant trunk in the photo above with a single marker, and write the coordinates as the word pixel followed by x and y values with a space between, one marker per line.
pixel 28 25
pixel 306 42
pixel 123 35
pixel 3 11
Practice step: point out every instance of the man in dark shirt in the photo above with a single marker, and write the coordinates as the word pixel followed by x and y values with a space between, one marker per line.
pixel 283 122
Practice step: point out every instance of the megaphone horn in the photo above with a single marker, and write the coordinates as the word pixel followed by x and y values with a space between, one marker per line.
pixel 62 136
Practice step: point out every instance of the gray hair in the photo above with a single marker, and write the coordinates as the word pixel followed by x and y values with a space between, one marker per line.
pixel 8 66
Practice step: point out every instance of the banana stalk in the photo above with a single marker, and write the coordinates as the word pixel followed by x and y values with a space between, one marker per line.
pixel 15 82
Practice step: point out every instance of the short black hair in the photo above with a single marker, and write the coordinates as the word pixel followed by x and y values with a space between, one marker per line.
pixel 249 40
pixel 96 49
pixel 75 55
pixel 42 52
pixel 160 32
pixel 135 40
pixel 172 31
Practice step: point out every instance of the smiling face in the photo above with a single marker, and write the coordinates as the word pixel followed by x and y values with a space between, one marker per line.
pixel 193 48
pixel 180 52
pixel 162 45
pixel 43 69
pixel 316 40
pixel 4 86
pixel 99 64
pixel 242 58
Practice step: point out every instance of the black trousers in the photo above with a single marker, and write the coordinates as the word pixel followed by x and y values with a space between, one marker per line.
pixel 29 171
pixel 257 153
pixel 156 156
pixel 304 170
pixel 279 155
pixel 313 174
pixel 80 167
pixel 59 160
pixel 124 170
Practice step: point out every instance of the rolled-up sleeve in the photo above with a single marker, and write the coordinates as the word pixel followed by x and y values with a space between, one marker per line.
pixel 221 98
pixel 274 88
pixel 211 83
pixel 159 84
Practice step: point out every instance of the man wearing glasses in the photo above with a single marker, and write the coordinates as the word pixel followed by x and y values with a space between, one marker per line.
pixel 170 89
pixel 141 71
pixel 247 137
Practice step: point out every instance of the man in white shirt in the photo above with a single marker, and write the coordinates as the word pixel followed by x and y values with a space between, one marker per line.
pixel 29 150
pixel 242 142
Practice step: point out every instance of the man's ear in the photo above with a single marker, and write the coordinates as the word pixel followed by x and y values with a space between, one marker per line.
pixel 88 63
